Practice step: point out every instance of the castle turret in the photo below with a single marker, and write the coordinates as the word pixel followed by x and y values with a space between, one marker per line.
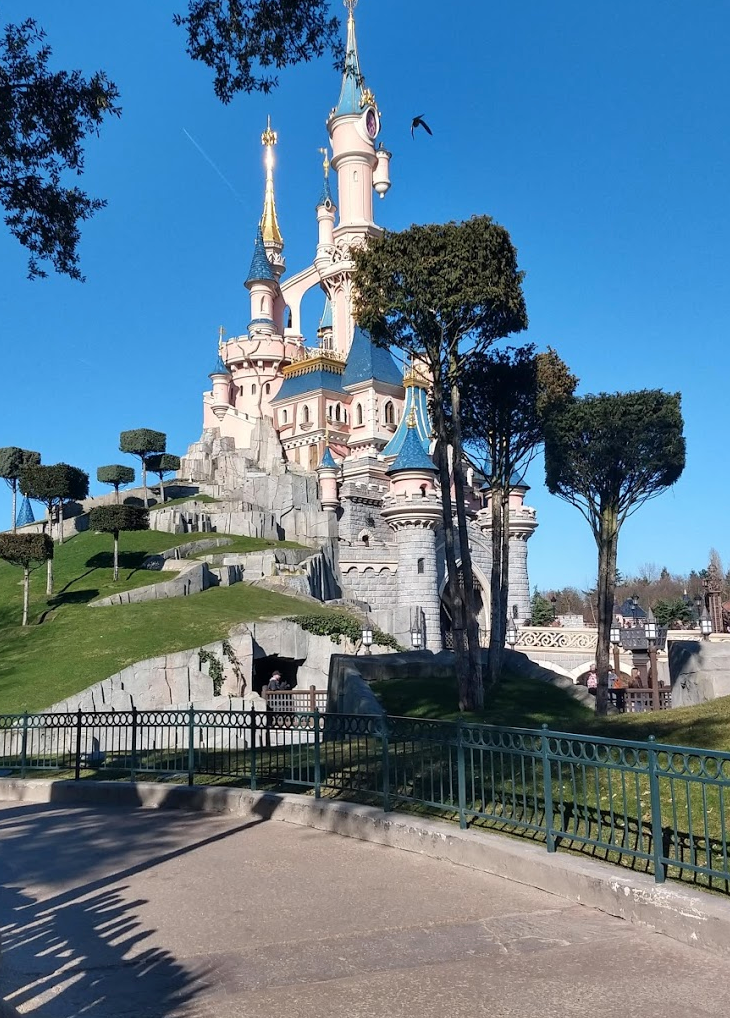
pixel 326 209
pixel 522 525
pixel 220 376
pixel 272 238
pixel 263 287
pixel 327 472
pixel 413 512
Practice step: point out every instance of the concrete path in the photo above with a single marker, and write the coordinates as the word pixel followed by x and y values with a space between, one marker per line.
pixel 112 913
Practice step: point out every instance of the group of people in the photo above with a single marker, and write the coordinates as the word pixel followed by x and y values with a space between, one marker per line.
pixel 614 681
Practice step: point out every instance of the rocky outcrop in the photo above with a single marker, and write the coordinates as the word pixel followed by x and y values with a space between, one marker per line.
pixel 699 671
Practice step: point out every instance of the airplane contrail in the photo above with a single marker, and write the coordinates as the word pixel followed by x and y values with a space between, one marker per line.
pixel 207 158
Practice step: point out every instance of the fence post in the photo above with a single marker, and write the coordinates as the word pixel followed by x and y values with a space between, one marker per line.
pixel 133 765
pixel 312 698
pixel 657 829
pixel 191 746
pixel 24 745
pixel 461 772
pixel 77 765
pixel 252 732
pixel 547 785
pixel 385 757
pixel 317 758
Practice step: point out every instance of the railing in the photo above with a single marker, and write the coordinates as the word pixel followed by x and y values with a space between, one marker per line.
pixel 311 699
pixel 659 808
pixel 636 701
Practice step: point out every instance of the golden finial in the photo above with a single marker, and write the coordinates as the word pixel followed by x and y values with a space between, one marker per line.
pixel 221 334
pixel 367 98
pixel 269 137
pixel 412 423
pixel 269 223
pixel 325 161
pixel 350 5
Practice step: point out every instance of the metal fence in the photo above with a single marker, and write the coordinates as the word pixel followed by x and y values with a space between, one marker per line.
pixel 659 808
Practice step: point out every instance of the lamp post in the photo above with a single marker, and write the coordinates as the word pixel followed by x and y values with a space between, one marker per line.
pixel 616 642
pixel 511 634
pixel 705 625
pixel 698 607
pixel 650 630
pixel 553 602
pixel 634 606
pixel 416 639
pixel 367 638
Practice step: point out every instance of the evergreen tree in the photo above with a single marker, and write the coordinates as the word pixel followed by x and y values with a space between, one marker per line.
pixel 115 474
pixel 25 550
pixel 143 442
pixel 161 464
pixel 12 462
pixel 110 519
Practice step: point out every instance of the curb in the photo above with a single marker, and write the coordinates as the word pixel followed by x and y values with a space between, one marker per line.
pixel 697 919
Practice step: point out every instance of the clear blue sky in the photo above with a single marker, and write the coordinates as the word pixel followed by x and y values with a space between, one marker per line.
pixel 597 134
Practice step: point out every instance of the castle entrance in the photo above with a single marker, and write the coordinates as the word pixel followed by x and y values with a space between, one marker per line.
pixel 481 605
pixel 264 668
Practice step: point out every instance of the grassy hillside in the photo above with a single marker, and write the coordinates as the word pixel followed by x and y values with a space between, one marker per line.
pixel 75 645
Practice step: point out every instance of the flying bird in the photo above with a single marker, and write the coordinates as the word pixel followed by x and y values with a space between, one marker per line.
pixel 419 122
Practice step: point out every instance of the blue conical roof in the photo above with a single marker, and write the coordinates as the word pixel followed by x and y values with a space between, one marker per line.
pixel 415 407
pixel 25 513
pixel 325 321
pixel 328 459
pixel 220 368
pixel 412 455
pixel 260 264
pixel 352 79
pixel 367 361
pixel 326 193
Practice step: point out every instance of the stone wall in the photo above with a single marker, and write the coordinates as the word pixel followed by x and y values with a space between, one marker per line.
pixel 376 585
pixel 699 671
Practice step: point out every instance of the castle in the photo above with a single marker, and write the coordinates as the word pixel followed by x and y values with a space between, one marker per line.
pixel 338 413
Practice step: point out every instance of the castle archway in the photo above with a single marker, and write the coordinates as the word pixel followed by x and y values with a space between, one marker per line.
pixel 481 595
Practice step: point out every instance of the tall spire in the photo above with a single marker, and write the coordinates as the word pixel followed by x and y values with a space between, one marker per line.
pixel 269 223
pixel 351 94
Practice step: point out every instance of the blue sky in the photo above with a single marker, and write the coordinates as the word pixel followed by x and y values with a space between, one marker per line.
pixel 597 134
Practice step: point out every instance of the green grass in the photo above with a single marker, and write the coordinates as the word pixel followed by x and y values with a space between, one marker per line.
pixel 181 501
pixel 77 645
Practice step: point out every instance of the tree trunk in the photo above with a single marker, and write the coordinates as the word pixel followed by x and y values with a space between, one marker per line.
pixel 162 490
pixel 495 588
pixel 14 487
pixel 49 578
pixel 475 685
pixel 461 659
pixel 116 555
pixel 607 541
pixel 504 590
pixel 60 521
pixel 116 492
pixel 144 483
pixel 26 593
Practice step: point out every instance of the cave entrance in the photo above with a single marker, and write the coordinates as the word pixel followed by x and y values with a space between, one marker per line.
pixel 264 667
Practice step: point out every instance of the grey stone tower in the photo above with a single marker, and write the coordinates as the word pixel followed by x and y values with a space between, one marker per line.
pixel 413 511
pixel 522 525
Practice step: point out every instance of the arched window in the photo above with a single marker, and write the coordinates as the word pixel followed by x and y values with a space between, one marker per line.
pixel 389 413
pixel 305 414
pixel 263 305
pixel 358 414
pixel 253 389
pixel 283 416
pixel 268 388
pixel 337 412
pixel 241 388
pixel 421 565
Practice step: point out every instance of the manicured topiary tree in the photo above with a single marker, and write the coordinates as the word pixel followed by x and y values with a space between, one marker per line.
pixel 24 550
pixel 54 485
pixel 161 464
pixel 115 474
pixel 143 442
pixel 12 461
pixel 110 519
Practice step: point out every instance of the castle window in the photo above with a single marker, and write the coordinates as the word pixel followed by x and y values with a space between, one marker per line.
pixel 253 390
pixel 263 304
pixel 268 388
pixel 241 388
pixel 421 565
pixel 305 414
pixel 283 416
pixel 358 414
pixel 337 412
pixel 389 413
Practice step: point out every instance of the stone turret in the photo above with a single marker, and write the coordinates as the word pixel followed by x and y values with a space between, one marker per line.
pixel 522 525
pixel 413 511
pixel 328 472
pixel 220 376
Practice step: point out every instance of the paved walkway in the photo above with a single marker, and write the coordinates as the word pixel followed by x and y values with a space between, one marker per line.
pixel 111 914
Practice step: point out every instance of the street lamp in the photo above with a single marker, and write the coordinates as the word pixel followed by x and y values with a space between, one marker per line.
pixel 698 606
pixel 511 633
pixel 367 638
pixel 705 625
pixel 416 639
pixel 553 602
pixel 634 606
pixel 651 633
pixel 615 637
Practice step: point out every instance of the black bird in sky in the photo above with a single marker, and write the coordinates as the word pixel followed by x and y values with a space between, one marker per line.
pixel 420 122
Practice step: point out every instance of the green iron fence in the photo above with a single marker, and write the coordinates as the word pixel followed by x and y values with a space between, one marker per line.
pixel 659 808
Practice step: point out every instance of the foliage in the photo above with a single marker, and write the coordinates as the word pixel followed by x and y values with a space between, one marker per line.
pixel 606 455
pixel 110 519
pixel 506 395
pixel 163 463
pixel 240 40
pixel 12 462
pixel 25 549
pixel 45 116
pixel 669 613
pixel 115 474
pixel 443 293
pixel 142 442
pixel 54 483
pixel 338 624
pixel 216 670
pixel 541 610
